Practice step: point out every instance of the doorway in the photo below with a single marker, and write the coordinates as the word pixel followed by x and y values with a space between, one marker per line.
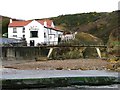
pixel 32 42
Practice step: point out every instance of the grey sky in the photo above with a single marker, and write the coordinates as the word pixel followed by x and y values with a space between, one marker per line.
pixel 31 9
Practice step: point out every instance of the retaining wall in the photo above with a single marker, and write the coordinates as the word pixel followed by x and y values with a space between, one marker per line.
pixel 23 53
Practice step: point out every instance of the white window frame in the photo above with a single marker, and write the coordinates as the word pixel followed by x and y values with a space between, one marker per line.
pixel 14 30
pixel 23 30
pixel 14 35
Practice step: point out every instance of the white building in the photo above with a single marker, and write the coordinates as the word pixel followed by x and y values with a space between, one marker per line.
pixel 34 31
pixel 67 37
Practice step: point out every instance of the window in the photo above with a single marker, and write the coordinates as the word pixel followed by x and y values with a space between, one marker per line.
pixel 23 30
pixel 14 35
pixel 45 35
pixel 14 30
pixel 33 34
pixel 50 37
pixel 59 35
pixel 23 36
pixel 50 31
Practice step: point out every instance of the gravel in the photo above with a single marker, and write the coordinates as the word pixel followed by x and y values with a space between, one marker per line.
pixel 70 64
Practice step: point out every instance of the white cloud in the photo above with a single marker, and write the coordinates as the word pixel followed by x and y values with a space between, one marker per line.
pixel 30 9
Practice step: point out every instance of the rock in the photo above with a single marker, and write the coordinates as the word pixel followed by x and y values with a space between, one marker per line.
pixel 59 68
pixel 118 69
pixel 112 66
pixel 68 69
pixel 41 59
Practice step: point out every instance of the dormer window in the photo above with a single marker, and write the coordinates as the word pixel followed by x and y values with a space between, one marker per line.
pixel 14 30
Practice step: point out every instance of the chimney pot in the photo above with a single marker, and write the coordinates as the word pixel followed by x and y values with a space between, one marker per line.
pixel 45 23
pixel 10 20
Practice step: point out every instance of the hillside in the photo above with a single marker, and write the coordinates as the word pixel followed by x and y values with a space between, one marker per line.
pixel 114 43
pixel 4 21
pixel 97 24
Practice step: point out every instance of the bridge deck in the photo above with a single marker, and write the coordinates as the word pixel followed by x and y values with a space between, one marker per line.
pixel 59 46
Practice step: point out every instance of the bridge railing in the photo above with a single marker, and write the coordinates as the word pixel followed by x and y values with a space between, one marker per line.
pixel 59 44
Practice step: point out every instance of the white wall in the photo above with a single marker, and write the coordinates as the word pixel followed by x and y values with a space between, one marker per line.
pixel 67 37
pixel 19 32
pixel 46 39
pixel 52 33
pixel 40 38
pixel 60 33
pixel 55 39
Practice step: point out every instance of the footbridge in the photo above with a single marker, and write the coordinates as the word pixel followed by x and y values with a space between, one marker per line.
pixel 97 47
pixel 36 51
pixel 69 45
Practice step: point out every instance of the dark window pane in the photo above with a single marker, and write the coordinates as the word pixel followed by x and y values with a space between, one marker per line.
pixel 33 33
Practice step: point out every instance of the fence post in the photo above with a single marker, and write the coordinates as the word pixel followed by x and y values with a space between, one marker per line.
pixel 10 53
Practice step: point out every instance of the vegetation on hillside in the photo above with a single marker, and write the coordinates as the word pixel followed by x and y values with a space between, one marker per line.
pixel 114 43
pixel 4 21
pixel 97 24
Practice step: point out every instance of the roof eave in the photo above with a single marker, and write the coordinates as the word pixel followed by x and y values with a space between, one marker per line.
pixel 15 26
pixel 53 29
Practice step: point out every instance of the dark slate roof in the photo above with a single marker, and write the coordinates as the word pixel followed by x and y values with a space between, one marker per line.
pixel 9 40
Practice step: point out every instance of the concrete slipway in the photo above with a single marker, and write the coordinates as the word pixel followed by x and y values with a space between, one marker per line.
pixel 12 78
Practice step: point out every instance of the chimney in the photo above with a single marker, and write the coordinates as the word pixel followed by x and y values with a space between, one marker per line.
pixel 45 23
pixel 10 20
pixel 52 24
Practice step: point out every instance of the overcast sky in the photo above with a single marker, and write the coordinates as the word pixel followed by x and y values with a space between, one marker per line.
pixel 33 9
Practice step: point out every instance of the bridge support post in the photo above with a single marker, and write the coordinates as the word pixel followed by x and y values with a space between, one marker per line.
pixel 10 53
pixel 17 54
pixel 50 51
pixel 98 51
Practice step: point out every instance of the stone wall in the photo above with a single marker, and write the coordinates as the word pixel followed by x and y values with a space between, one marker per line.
pixel 23 53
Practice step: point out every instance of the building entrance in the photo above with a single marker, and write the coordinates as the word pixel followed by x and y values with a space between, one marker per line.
pixel 32 43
